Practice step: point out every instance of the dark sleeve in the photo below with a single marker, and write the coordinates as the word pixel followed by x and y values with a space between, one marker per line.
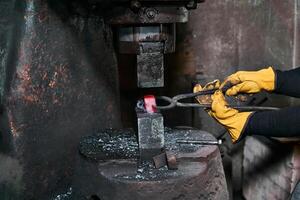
pixel 288 82
pixel 282 123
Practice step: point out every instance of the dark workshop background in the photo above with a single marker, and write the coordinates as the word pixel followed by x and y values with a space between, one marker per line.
pixel 60 79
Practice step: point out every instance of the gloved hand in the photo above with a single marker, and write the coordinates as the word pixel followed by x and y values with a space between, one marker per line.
pixel 250 81
pixel 206 99
pixel 232 119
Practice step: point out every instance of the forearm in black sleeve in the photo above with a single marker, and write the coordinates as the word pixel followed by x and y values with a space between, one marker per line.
pixel 282 123
pixel 288 82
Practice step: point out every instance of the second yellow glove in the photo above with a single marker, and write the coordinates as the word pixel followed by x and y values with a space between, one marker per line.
pixel 232 119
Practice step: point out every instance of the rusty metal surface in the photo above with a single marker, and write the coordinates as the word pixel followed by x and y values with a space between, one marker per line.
pixel 60 76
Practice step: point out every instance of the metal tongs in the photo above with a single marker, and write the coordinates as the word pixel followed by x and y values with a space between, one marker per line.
pixel 175 102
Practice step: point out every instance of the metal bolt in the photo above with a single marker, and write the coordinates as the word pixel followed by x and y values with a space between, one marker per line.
pixel 151 13
pixel 192 4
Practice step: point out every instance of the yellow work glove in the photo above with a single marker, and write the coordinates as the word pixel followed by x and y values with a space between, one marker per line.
pixel 250 81
pixel 206 99
pixel 232 119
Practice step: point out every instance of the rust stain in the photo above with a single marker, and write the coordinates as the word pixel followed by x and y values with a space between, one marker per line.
pixel 31 87
pixel 53 82
pixel 31 98
pixel 58 82
pixel 26 84
pixel 15 130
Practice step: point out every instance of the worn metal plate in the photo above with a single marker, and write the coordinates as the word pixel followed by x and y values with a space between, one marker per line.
pixel 150 70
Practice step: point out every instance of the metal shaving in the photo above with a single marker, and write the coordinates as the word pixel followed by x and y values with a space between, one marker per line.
pixel 122 144
pixel 65 196
pixel 110 144
pixel 147 172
